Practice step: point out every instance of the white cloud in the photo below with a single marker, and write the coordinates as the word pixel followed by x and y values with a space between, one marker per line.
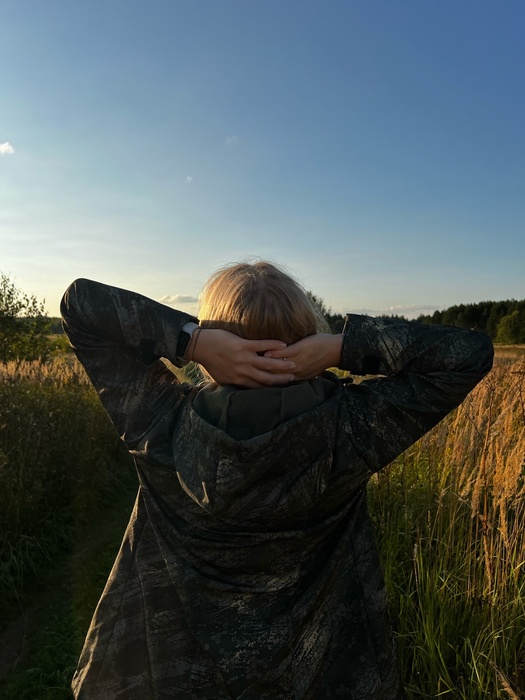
pixel 189 178
pixel 409 311
pixel 178 299
pixel 231 140
pixel 6 149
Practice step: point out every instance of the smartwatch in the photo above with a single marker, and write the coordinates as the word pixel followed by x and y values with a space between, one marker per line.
pixel 184 337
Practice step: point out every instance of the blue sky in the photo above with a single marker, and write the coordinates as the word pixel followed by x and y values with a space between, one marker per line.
pixel 374 148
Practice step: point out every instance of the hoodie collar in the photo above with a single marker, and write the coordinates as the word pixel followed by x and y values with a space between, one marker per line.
pixel 245 413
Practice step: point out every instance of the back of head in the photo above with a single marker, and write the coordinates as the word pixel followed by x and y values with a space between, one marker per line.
pixel 259 301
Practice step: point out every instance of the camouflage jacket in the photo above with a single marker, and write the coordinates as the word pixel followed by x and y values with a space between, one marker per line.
pixel 249 569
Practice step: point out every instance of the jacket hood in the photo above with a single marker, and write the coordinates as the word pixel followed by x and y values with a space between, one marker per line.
pixel 258 455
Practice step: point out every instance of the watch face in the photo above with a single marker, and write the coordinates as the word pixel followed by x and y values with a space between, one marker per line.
pixel 182 345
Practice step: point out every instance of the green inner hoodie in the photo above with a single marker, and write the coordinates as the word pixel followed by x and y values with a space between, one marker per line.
pixel 245 413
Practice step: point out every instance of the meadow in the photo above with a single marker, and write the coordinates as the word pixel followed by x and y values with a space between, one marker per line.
pixel 449 513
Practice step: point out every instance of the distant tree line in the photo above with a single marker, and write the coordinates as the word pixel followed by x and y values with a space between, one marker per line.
pixel 55 325
pixel 504 321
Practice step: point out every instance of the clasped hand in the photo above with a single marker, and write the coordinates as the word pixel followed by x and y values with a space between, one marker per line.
pixel 230 359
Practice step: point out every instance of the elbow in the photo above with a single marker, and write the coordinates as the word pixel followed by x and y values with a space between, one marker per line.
pixel 71 299
pixel 486 352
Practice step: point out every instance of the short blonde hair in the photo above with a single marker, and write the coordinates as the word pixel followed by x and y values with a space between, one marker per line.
pixel 259 301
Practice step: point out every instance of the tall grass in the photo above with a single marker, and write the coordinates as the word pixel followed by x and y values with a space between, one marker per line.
pixel 450 516
pixel 451 520
pixel 58 452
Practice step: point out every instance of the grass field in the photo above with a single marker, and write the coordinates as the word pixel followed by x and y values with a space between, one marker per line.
pixel 509 353
pixel 450 517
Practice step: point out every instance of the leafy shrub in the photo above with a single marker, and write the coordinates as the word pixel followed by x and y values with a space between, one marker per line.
pixel 59 455
pixel 23 325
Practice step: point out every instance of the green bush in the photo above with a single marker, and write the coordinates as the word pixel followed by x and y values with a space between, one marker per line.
pixel 23 325
pixel 59 456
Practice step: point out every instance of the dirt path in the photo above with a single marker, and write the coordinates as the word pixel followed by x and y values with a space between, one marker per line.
pixel 14 642
pixel 38 650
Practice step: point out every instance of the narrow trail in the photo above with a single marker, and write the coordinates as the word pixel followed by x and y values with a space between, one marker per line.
pixel 14 642
pixel 38 649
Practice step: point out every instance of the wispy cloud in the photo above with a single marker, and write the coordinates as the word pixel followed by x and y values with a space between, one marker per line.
pixel 6 149
pixel 189 178
pixel 178 299
pixel 230 140
pixel 409 311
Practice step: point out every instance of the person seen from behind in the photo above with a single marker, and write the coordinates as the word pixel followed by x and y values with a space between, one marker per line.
pixel 249 569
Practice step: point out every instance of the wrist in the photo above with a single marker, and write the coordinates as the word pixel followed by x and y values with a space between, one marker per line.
pixel 336 348
pixel 187 340
pixel 197 346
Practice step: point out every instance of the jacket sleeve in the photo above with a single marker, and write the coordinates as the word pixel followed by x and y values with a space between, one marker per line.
pixel 428 371
pixel 119 337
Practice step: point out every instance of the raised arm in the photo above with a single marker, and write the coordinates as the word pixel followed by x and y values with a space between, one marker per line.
pixel 388 347
pixel 119 336
pixel 428 371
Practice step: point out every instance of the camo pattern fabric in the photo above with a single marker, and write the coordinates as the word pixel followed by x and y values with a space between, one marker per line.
pixel 249 569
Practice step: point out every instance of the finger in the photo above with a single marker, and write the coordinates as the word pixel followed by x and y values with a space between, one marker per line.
pixel 265 345
pixel 269 364
pixel 284 354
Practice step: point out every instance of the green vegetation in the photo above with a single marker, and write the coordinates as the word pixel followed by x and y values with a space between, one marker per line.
pixel 59 457
pixel 60 614
pixel 55 326
pixel 449 516
pixel 504 321
pixel 23 325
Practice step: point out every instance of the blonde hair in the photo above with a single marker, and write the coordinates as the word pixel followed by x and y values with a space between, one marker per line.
pixel 259 301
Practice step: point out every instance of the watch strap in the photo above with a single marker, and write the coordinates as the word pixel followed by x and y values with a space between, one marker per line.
pixel 185 336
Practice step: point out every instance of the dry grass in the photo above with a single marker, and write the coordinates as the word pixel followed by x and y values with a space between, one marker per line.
pixel 509 353
pixel 451 516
